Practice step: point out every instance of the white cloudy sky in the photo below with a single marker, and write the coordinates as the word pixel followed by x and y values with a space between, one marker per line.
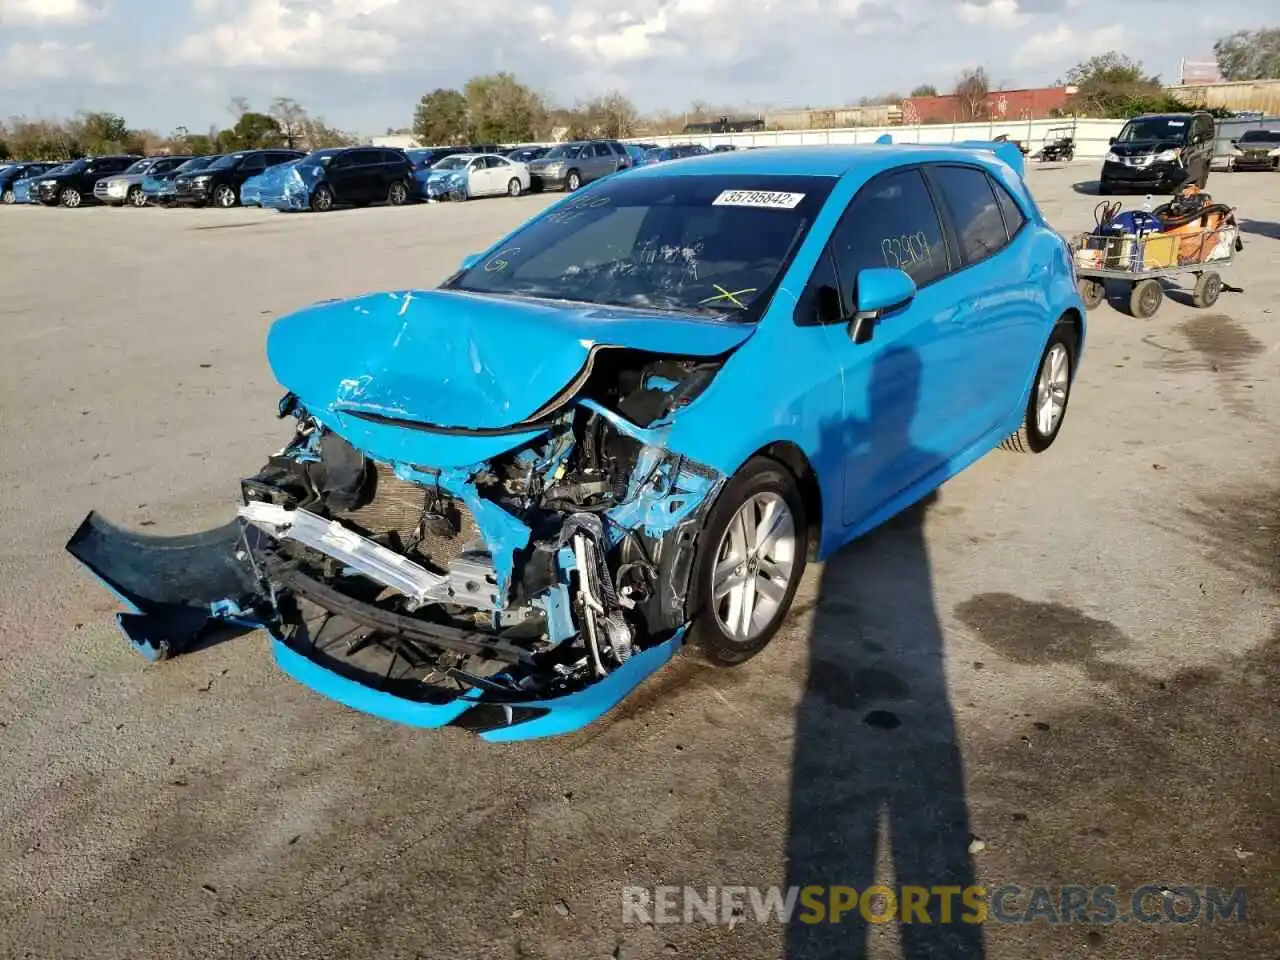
pixel 363 63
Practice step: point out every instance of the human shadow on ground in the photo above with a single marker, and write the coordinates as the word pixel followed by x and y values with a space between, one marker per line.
pixel 876 741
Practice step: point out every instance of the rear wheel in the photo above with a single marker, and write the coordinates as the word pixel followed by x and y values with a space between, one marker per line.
pixel 1208 289
pixel 397 193
pixel 513 188
pixel 751 556
pixel 322 198
pixel 1047 405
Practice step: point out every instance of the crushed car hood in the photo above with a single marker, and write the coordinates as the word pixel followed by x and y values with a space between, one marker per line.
pixel 464 361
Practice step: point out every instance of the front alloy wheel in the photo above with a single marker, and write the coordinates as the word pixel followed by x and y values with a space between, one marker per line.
pixel 70 197
pixel 8 197
pixel 225 196
pixel 751 556
pixel 322 199
pixel 136 197
pixel 573 181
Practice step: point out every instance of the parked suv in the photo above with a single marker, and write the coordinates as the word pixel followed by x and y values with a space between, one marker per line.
pixel 126 187
pixel 567 166
pixel 73 184
pixel 1160 152
pixel 357 175
pixel 219 183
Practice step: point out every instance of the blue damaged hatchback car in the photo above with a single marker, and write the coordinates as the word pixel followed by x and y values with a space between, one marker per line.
pixel 625 426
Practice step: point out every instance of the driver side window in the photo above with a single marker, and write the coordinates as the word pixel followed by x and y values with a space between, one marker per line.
pixel 891 222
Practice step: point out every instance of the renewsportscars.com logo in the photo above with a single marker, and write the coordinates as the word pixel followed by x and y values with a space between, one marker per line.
pixel 1009 903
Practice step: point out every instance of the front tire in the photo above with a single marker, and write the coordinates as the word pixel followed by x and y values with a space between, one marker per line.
pixel 1047 406
pixel 70 198
pixel 8 197
pixel 225 196
pixel 751 556
pixel 573 181
pixel 136 197
pixel 322 199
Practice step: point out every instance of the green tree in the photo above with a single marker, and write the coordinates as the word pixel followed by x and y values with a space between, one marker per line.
pixel 104 133
pixel 1249 55
pixel 925 90
pixel 199 144
pixel 4 150
pixel 441 118
pixel 252 131
pixel 502 109
pixel 1114 85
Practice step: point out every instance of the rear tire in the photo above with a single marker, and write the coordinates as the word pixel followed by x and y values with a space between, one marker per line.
pixel 1208 289
pixel 1052 387
pixel 397 193
pixel 761 561
pixel 513 188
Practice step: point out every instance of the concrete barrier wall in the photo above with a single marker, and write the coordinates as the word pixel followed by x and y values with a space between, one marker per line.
pixel 1091 135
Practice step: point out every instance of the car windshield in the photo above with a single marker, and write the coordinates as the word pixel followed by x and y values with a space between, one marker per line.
pixel 1155 128
pixel 195 163
pixel 457 161
pixel 227 162
pixel 1260 136
pixel 320 157
pixel 707 244
pixel 563 151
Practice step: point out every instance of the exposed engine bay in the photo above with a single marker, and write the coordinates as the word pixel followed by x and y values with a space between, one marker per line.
pixel 531 575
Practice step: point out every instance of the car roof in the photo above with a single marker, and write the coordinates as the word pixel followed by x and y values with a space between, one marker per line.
pixel 813 161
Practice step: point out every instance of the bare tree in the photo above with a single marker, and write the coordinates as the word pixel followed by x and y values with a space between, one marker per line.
pixel 238 106
pixel 972 91
pixel 293 120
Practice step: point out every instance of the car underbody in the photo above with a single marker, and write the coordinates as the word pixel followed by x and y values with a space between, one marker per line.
pixel 518 596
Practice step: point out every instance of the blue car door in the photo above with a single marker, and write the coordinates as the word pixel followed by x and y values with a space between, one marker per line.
pixel 898 404
pixel 1000 287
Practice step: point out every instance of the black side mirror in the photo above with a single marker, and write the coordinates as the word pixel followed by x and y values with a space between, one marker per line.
pixel 1113 141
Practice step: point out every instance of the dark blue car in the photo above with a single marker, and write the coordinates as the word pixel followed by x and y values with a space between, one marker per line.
pixel 12 173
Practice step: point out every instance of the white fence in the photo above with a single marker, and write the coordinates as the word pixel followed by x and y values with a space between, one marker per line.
pixel 1091 136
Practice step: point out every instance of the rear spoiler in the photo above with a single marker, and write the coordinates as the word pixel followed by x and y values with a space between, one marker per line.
pixel 1005 150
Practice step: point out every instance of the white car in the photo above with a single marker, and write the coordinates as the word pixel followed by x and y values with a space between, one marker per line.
pixel 480 174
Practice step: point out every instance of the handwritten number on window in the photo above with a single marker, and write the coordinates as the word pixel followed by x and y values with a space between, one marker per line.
pixel 907 252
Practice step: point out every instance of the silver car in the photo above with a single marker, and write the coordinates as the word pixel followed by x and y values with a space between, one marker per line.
pixel 567 166
pixel 126 188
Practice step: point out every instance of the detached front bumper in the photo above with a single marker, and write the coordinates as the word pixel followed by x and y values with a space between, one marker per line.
pixel 180 591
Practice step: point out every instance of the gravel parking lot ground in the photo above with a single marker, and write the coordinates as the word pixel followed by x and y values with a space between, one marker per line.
pixel 1060 672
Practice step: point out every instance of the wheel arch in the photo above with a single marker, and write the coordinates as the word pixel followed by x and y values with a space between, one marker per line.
pixel 1074 319
pixel 790 456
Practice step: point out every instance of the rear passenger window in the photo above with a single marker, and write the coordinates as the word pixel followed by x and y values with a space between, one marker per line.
pixel 1013 215
pixel 890 223
pixel 975 214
